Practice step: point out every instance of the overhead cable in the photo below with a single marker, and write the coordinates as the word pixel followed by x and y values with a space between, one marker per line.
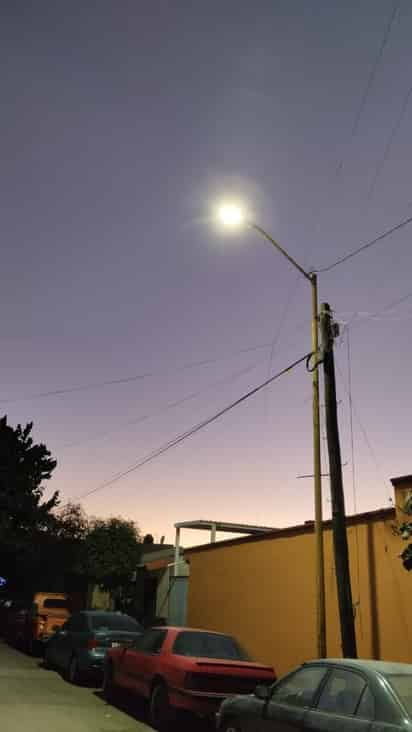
pixel 381 237
pixel 193 430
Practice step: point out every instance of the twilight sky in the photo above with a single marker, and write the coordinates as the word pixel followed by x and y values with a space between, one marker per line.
pixel 122 124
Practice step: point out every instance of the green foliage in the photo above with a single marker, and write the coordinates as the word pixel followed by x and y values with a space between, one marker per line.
pixel 112 549
pixel 24 517
pixel 70 523
pixel 23 468
pixel 405 531
pixel 42 544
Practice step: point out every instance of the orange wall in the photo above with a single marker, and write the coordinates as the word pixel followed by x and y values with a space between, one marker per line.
pixel 263 592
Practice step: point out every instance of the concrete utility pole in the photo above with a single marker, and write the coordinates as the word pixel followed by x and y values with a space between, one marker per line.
pixel 340 539
pixel 317 468
pixel 232 215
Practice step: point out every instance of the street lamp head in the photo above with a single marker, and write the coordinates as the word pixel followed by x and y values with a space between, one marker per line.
pixel 231 215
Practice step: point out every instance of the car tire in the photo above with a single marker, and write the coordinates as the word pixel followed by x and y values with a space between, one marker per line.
pixel 109 687
pixel 32 647
pixel 46 660
pixel 161 713
pixel 73 675
pixel 230 727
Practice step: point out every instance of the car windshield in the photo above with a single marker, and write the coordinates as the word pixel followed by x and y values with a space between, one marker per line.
pixel 112 621
pixel 402 684
pixel 56 603
pixel 209 645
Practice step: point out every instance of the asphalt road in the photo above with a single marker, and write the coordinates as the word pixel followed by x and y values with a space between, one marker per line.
pixel 33 699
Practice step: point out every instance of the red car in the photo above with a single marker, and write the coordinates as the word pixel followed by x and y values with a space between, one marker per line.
pixel 183 669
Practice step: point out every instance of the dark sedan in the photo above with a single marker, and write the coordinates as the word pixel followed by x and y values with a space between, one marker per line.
pixel 332 695
pixel 79 647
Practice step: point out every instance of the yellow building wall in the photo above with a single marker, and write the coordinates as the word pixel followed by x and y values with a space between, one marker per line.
pixel 263 592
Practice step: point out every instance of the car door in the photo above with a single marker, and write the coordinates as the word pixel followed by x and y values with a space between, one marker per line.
pixel 289 701
pixel 78 635
pixel 346 704
pixel 139 663
pixel 57 645
pixel 68 640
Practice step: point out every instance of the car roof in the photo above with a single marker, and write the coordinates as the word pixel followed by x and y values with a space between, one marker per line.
pixel 179 629
pixel 387 668
pixel 104 612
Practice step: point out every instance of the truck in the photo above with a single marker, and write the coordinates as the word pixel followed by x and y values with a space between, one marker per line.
pixel 31 621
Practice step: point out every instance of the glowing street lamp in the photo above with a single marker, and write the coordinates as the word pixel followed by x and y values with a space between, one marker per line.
pixel 232 216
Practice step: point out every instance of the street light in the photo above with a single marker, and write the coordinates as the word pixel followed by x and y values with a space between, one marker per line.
pixel 230 214
pixel 233 216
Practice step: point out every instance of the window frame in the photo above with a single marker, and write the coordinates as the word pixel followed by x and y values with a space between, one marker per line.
pixel 354 672
pixel 317 693
pixel 161 633
pixel 365 691
pixel 94 629
pixel 242 657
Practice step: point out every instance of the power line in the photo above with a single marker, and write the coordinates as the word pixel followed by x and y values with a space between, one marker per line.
pixel 381 163
pixel 363 430
pixel 372 75
pixel 171 405
pixel 278 332
pixel 193 430
pixel 136 377
pixel 361 315
pixel 369 244
pixel 284 314
pixel 368 86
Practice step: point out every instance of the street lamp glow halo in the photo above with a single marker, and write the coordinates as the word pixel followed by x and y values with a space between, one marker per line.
pixel 231 215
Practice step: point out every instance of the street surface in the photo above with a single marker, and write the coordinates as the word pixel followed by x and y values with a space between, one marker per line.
pixel 33 699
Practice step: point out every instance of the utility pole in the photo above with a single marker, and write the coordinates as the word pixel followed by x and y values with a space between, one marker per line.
pixel 232 216
pixel 320 564
pixel 340 540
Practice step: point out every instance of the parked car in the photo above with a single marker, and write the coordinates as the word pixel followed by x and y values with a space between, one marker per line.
pixel 32 620
pixel 6 602
pixel 330 695
pixel 183 669
pixel 79 647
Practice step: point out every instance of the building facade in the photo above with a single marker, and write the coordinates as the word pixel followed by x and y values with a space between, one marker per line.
pixel 262 589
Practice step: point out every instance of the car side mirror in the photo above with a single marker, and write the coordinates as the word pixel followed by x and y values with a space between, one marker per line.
pixel 262 692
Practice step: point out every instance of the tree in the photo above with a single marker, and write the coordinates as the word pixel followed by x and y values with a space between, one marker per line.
pixel 71 523
pixel 23 468
pixel 66 541
pixel 24 516
pixel 112 548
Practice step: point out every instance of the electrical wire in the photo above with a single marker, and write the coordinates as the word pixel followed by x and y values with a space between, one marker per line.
pixel 193 430
pixel 284 314
pixel 372 453
pixel 171 405
pixel 367 89
pixel 381 163
pixel 360 316
pixel 136 377
pixel 278 332
pixel 381 237
pixel 372 76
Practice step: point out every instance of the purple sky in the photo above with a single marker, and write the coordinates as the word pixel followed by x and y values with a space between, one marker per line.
pixel 122 124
